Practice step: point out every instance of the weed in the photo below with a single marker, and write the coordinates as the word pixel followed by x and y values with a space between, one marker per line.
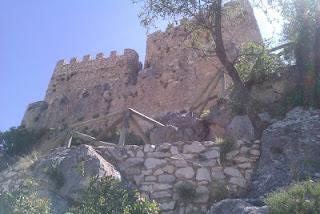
pixel 186 191
pixel 218 191
pixel 80 168
pixel 226 146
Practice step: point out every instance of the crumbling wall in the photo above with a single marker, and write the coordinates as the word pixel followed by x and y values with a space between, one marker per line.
pixel 186 177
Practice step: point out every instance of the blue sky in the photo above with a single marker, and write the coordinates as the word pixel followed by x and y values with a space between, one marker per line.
pixel 35 34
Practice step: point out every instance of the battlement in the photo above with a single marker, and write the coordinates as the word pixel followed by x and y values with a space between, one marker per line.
pixel 174 77
pixel 90 72
pixel 127 54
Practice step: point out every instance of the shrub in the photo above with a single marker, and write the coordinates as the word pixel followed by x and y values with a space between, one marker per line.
pixel 19 140
pixel 255 62
pixel 226 145
pixel 218 191
pixel 23 201
pixel 186 191
pixel 56 176
pixel 109 196
pixel 300 198
pixel 292 98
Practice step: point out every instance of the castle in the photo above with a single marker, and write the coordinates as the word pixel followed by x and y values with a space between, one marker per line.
pixel 173 76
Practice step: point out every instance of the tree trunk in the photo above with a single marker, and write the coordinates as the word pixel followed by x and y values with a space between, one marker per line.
pixel 305 54
pixel 317 54
pixel 243 94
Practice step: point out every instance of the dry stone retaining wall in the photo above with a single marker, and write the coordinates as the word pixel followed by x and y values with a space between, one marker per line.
pixel 185 177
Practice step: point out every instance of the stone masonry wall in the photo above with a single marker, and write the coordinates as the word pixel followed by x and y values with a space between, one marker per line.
pixel 185 177
pixel 89 89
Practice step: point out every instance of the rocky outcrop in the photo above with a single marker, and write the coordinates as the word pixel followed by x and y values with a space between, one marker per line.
pixel 290 151
pixel 61 176
pixel 69 170
pixel 236 206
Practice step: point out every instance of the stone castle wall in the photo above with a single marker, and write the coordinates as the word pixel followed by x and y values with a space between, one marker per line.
pixel 174 76
pixel 166 172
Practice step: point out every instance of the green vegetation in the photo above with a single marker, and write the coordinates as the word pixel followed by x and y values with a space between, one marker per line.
pixel 302 27
pixel 218 191
pixel 292 99
pixel 103 196
pixel 226 145
pixel 24 201
pixel 19 140
pixel 109 196
pixel 186 191
pixel 56 176
pixel 80 168
pixel 300 198
pixel 256 63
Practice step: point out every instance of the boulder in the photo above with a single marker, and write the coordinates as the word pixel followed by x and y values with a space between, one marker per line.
pixel 236 206
pixel 220 114
pixel 290 151
pixel 179 127
pixel 241 128
pixel 69 171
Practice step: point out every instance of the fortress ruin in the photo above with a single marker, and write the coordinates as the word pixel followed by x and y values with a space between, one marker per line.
pixel 173 76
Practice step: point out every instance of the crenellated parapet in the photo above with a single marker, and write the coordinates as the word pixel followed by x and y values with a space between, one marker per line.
pixel 91 71
pixel 128 54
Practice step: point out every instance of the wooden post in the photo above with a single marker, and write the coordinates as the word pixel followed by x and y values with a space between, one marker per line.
pixel 146 118
pixel 69 142
pixel 125 127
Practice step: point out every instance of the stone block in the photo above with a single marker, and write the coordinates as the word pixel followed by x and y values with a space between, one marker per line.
pixel 166 178
pixel 239 181
pixel 165 206
pixel 161 194
pixel 168 169
pixel 151 163
pixel 186 172
pixel 232 172
pixel 194 147
pixel 203 174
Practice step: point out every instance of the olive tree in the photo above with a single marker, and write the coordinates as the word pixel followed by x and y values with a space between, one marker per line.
pixel 302 27
pixel 203 16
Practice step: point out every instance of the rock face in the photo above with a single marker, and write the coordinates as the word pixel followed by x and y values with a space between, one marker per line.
pixel 290 151
pixel 236 206
pixel 173 78
pixel 70 170
pixel 61 176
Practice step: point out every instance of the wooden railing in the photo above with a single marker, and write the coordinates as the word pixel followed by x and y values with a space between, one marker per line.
pixel 120 119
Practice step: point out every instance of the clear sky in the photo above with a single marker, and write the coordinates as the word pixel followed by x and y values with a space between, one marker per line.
pixel 35 34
